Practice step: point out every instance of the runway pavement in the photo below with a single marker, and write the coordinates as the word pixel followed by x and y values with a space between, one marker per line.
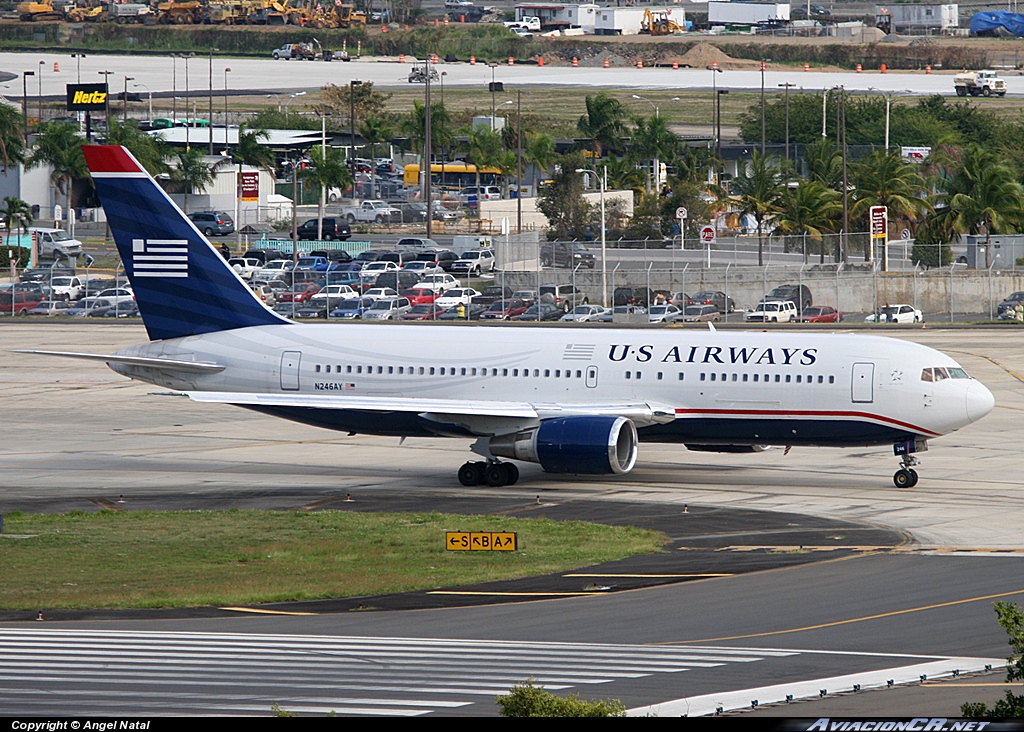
pixel 75 432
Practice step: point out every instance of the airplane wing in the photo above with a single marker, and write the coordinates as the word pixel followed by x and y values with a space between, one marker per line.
pixel 479 417
pixel 195 367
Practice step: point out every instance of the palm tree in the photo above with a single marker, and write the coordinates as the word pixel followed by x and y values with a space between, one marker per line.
pixel 149 150
pixel 539 152
pixel 824 163
pixel 653 141
pixel 15 212
pixel 59 146
pixel 604 124
pixel 327 171
pixel 486 151
pixel 811 209
pixel 12 140
pixel 192 172
pixel 760 187
pixel 375 130
pixel 623 174
pixel 886 179
pixel 982 195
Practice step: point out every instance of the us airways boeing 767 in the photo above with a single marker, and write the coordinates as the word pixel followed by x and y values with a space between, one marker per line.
pixel 573 400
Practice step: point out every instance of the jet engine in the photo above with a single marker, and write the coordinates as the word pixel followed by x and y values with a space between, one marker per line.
pixel 586 444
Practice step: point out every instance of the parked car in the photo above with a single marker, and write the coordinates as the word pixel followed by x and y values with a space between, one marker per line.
pixel 334 229
pixel 621 311
pixel 399 280
pixel 664 314
pixel 563 297
pixel 420 295
pixel 44 307
pixel 641 296
pixel 896 314
pixel 213 223
pixel 55 243
pixel 439 282
pixel 700 314
pixel 1008 306
pixel 455 295
pixel 422 268
pixel 331 296
pixel 504 309
pixel 585 313
pixel 66 288
pixel 475 262
pixel 372 270
pixel 353 308
pixel 388 308
pixel 800 295
pixel 245 267
pixel 424 311
pixel 821 314
pixel 541 311
pixel 473 311
pixel 417 242
pixel 376 293
pixel 443 258
pixel 471 194
pixel 723 303
pixel 492 293
pixel 566 254
pixel 127 309
pixel 81 308
pixel 301 292
pixel 265 293
pixel 772 311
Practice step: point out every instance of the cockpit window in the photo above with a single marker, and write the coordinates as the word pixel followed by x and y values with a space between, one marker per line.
pixel 943 372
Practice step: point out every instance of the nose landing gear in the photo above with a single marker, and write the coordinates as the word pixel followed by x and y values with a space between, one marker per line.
pixel 492 472
pixel 906 476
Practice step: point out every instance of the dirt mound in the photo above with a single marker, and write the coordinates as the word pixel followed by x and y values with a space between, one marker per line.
pixel 703 54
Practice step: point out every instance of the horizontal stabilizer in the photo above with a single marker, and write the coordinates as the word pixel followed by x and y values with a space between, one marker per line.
pixel 196 367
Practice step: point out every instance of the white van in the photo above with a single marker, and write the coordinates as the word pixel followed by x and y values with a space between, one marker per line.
pixel 56 240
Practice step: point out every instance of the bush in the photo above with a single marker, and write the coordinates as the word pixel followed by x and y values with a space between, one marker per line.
pixel 527 700
pixel 21 254
pixel 1011 617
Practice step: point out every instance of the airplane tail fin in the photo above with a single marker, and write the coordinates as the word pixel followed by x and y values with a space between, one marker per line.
pixel 182 285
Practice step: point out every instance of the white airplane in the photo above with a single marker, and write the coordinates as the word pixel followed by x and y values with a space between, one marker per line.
pixel 573 400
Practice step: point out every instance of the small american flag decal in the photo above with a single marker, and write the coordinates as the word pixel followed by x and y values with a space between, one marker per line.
pixel 160 257
pixel 578 352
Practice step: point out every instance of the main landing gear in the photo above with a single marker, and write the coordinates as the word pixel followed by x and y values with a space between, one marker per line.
pixel 492 472
pixel 906 476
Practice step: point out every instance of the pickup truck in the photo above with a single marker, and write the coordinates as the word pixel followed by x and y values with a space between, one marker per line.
pixel 531 23
pixel 374 211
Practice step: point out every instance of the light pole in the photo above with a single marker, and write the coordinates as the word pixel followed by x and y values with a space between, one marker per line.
pixel 718 116
pixel 714 99
pixel 39 95
pixel 288 103
pixel 174 90
pixel 188 121
pixel 323 157
pixel 212 49
pixel 425 167
pixel 227 143
pixel 352 84
pixel 124 113
pixel 150 92
pixel 24 100
pixel 604 247
pixel 787 85
pixel 657 162
pixel 106 81
pixel 444 153
pixel 79 56
pixel 519 167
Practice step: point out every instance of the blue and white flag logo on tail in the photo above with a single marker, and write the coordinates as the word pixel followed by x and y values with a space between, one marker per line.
pixel 160 257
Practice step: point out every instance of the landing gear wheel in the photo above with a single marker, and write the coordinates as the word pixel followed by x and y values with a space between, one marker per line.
pixel 496 474
pixel 471 474
pixel 904 478
pixel 913 478
pixel 513 473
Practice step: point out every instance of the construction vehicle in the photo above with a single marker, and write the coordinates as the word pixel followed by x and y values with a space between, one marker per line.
pixel 658 23
pixel 33 11
pixel 883 20
pixel 95 14
pixel 975 83
pixel 349 17
pixel 227 13
pixel 128 12
pixel 184 13
pixel 419 72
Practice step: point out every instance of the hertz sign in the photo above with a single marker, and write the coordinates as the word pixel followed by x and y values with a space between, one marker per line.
pixel 87 97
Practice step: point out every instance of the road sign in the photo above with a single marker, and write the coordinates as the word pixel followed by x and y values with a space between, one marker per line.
pixel 879 217
pixel 905 235
pixel 681 213
pixel 707 234
pixel 466 541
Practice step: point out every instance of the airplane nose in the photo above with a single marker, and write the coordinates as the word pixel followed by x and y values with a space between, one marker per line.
pixel 979 401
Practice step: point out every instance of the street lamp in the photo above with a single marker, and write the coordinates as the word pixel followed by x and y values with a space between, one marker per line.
pixel 718 116
pixel 656 108
pixel 188 121
pixel 227 143
pixel 763 66
pixel 288 103
pixel 787 85
pixel 78 55
pixel 24 99
pixel 604 248
pixel 714 100
pixel 150 92
pixel 212 49
pixel 352 84
pixel 106 81
pixel 124 114
pixel 39 97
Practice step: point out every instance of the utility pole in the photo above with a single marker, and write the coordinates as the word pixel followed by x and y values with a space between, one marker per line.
pixel 519 163
pixel 787 85
pixel 24 100
pixel 124 113
pixel 352 132
pixel 427 155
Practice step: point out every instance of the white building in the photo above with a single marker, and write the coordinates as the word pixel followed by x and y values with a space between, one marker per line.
pixel 626 21
pixel 560 15
pixel 921 18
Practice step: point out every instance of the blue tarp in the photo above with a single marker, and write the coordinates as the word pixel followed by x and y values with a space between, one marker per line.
pixel 990 21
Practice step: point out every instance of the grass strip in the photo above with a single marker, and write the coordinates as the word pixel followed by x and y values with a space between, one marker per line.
pixel 197 558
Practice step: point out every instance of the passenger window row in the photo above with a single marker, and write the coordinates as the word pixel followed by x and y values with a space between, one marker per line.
pixel 445 371
pixel 767 378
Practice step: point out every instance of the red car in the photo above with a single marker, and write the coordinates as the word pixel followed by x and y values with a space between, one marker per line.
pixel 423 311
pixel 504 309
pixel 821 314
pixel 420 295
pixel 300 293
pixel 19 303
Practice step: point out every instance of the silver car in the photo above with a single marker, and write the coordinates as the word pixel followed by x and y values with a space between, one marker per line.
pixel 388 308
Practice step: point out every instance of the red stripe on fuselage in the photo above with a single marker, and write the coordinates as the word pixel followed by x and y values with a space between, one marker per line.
pixel 109 159
pixel 809 413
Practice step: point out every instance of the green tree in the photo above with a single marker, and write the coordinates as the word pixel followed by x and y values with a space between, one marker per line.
pixel 151 151
pixel 886 179
pixel 375 130
pixel 528 700
pixel 327 171
pixel 192 173
pixel 809 209
pixel 485 151
pixel 982 195
pixel 59 146
pixel 12 136
pixel 760 188
pixel 562 201
pixel 652 143
pixel 604 124
pixel 824 163
pixel 414 125
pixel 1011 617
pixel 539 151
pixel 367 101
pixel 932 245
pixel 15 214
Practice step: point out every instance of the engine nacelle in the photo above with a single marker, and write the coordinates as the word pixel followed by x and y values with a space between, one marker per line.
pixel 595 445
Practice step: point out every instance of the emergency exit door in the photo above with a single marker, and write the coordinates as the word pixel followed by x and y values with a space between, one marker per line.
pixel 863 388
pixel 290 361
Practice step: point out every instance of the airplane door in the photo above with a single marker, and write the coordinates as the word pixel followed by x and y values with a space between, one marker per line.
pixel 863 389
pixel 591 377
pixel 290 361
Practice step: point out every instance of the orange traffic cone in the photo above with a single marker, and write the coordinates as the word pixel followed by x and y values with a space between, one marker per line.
pixel 575 62
pixel 675 64
pixel 639 63
pixel 401 58
pixel 511 61
pixel 56 67
pixel 472 60
pixel 807 67
pixel 859 68
pixel 540 60
pixel 606 64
